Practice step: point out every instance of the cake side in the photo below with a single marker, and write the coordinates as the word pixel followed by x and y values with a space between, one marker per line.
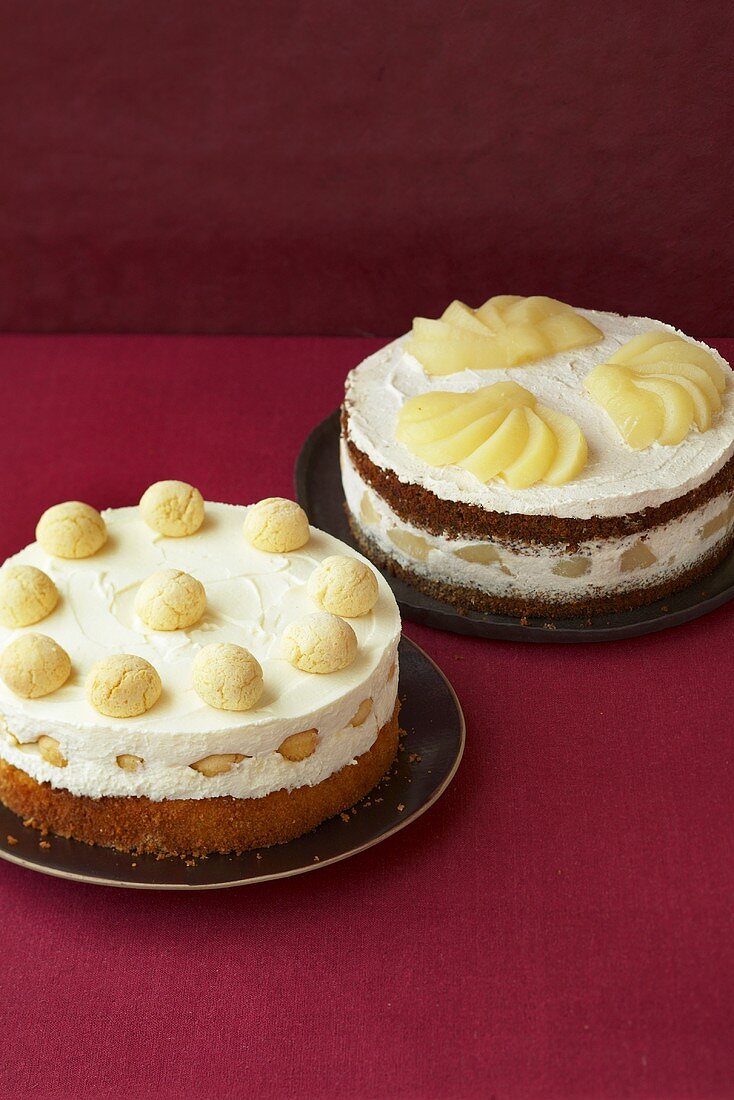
pixel 481 592
pixel 520 574
pixel 626 523
pixel 183 827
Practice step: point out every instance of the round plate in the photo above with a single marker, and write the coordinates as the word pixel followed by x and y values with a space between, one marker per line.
pixel 427 761
pixel 319 491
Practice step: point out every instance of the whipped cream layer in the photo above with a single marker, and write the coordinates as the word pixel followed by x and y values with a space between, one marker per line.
pixel 616 480
pixel 604 567
pixel 251 597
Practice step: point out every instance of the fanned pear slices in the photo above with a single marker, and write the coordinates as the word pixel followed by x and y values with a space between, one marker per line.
pixel 657 387
pixel 497 431
pixel 507 331
pixel 571 450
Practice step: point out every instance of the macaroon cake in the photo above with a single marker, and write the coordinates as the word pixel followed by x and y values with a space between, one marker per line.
pixel 189 677
pixel 533 459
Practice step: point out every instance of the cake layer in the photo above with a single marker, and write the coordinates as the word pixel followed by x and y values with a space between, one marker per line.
pixel 182 827
pixel 251 597
pixel 617 481
pixel 527 574
pixel 466 599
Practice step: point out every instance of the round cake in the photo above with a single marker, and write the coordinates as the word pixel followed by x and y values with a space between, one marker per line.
pixel 532 459
pixel 194 691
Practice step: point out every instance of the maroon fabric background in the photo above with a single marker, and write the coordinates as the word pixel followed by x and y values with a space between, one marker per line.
pixel 557 926
pixel 332 167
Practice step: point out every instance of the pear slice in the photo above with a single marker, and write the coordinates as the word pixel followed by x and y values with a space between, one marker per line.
pixel 507 393
pixel 653 347
pixel 524 343
pixel 439 358
pixel 441 424
pixel 494 431
pixel 536 457
pixel 675 349
pixel 493 310
pixel 567 330
pixel 676 383
pixel 461 316
pixel 453 448
pixel 532 328
pixel 501 449
pixel 703 409
pixel 445 349
pixel 678 409
pixel 714 370
pixel 572 450
pixel 459 413
pixel 660 347
pixel 676 371
pixel 426 329
pixel 637 415
pixel 507 331
pixel 636 347
pixel 426 405
pixel 532 310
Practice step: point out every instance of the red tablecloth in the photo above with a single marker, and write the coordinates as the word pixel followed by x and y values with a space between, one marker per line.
pixel 558 925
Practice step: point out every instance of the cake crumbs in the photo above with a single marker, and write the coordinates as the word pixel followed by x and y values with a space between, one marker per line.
pixel 11 840
pixel 317 859
pixel 44 844
pixel 133 864
pixel 415 758
pixel 258 855
pixel 190 862
pixel 401 807
pixel 345 817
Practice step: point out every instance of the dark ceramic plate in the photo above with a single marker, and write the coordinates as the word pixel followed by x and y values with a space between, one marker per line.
pixel 428 758
pixel 319 491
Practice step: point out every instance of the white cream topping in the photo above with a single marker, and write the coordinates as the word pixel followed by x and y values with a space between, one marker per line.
pixel 251 597
pixel 524 571
pixel 616 481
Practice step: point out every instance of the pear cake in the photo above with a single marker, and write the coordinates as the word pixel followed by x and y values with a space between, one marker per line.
pixel 186 677
pixel 532 459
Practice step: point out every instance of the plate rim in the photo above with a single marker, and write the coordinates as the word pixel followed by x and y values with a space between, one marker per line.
pixel 496 627
pixel 94 880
